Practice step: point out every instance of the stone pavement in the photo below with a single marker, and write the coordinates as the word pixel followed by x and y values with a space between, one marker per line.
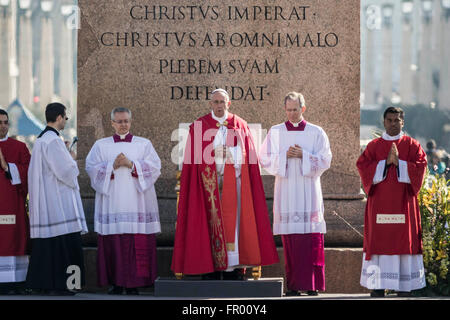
pixel 150 296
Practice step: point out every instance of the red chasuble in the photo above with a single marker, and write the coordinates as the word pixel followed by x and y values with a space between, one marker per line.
pixel 14 223
pixel 392 218
pixel 200 236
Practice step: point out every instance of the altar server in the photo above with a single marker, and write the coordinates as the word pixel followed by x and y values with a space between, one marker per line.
pixel 297 153
pixel 123 170
pixel 56 212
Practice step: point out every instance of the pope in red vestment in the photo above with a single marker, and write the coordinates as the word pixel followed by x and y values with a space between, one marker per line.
pixel 14 224
pixel 392 217
pixel 206 220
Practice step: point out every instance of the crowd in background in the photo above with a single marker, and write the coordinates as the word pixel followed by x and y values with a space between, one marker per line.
pixel 438 160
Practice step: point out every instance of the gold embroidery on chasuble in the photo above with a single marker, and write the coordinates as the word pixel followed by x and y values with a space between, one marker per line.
pixel 215 224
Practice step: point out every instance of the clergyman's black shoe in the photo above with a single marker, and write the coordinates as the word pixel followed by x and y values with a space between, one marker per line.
pixel 12 288
pixel 132 291
pixel 115 290
pixel 292 293
pixel 312 293
pixel 404 294
pixel 212 276
pixel 377 293
pixel 236 274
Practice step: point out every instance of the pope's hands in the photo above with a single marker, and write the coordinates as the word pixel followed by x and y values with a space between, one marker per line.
pixel 224 153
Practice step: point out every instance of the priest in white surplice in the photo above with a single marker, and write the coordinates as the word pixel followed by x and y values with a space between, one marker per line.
pixel 56 212
pixel 297 153
pixel 123 170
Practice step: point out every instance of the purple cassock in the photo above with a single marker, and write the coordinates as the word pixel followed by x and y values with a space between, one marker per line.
pixel 126 260
pixel 304 253
pixel 304 261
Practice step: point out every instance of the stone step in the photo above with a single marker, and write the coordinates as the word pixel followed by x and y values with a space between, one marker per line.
pixel 195 288
pixel 342 269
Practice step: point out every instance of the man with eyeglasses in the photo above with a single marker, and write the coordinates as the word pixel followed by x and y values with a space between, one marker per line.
pixel 14 224
pixel 123 170
pixel 222 224
pixel 56 212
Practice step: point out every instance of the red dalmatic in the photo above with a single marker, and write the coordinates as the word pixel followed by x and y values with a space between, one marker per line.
pixel 14 225
pixel 392 219
pixel 201 238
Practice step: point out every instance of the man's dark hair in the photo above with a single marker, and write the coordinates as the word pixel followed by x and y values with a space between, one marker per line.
pixel 394 110
pixel 3 112
pixel 53 110
pixel 431 144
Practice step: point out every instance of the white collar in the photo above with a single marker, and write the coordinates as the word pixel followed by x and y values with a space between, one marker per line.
pixel 122 136
pixel 222 119
pixel 387 137
pixel 295 124
pixel 4 139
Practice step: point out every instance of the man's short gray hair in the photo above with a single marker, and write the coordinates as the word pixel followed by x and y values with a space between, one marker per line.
pixel 294 96
pixel 118 110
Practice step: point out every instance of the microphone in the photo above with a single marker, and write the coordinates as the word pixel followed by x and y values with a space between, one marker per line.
pixel 75 140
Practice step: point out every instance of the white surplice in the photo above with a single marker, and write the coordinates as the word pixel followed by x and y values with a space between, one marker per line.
pixel 13 268
pixel 124 204
pixel 298 203
pixel 55 203
pixel 403 272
